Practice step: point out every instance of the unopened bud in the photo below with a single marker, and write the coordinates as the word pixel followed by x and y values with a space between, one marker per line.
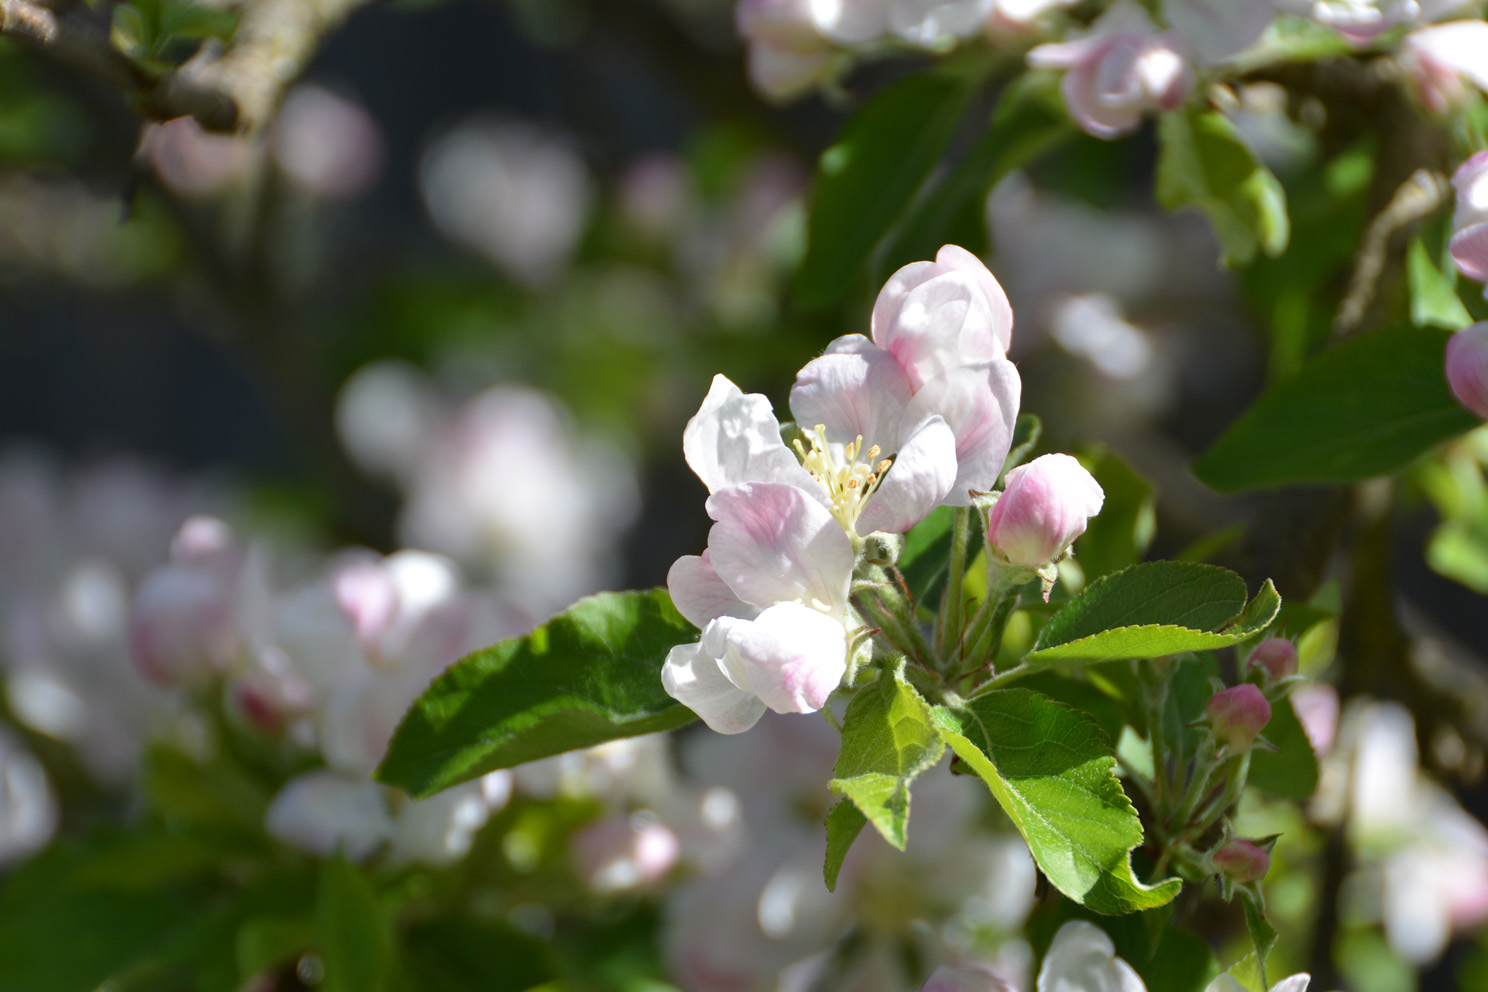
pixel 1043 509
pixel 1237 716
pixel 1242 861
pixel 1467 366
pixel 1276 656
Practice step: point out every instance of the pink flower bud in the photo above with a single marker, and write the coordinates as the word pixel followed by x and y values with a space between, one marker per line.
pixel 1237 716
pixel 1242 861
pixel 1276 656
pixel 1120 69
pixel 1467 366
pixel 1043 509
pixel 185 623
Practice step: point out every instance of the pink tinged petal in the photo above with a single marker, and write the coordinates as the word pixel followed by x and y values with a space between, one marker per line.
pixel 1043 509
pixel 1470 182
pixel 958 259
pixel 1214 30
pixel 921 477
pixel 980 405
pixel 852 395
pixel 791 656
pixel 694 678
pixel 1469 248
pixel 940 324
pixel 964 980
pixel 700 595
pixel 780 74
pixel 773 543
pixel 784 24
pixel 1467 367
pixel 1065 54
pixel 1095 116
pixel 1460 47
pixel 850 344
pixel 1165 75
pixel 735 439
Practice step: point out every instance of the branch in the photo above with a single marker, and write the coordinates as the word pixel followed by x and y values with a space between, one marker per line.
pixel 233 89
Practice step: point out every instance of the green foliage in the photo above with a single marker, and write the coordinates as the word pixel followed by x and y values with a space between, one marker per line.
pixel 148 31
pixel 1054 773
pixel 927 550
pixel 866 179
pixel 1291 771
pixel 844 822
pixel 1364 408
pixel 589 675
pixel 1028 120
pixel 1433 290
pixel 1262 934
pixel 1151 610
pixel 1026 434
pixel 888 738
pixel 466 955
pixel 1205 163
pixel 352 932
pixel 1120 534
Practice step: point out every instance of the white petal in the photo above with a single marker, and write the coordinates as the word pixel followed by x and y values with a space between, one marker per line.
pixel 700 595
pixel 693 678
pixel 791 656
pixel 1293 983
pixel 321 812
pixel 942 323
pixel 852 395
pixel 774 543
pixel 960 260
pixel 923 472
pixel 735 438
pixel 980 404
pixel 1083 959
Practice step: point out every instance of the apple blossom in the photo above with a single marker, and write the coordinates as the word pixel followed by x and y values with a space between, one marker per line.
pixel 787 53
pixel 1467 366
pixel 1360 21
pixel 321 812
pixel 1444 58
pixel 1122 67
pixel 1469 244
pixel 770 595
pixel 937 24
pixel 1082 958
pixel 1043 509
pixel 1015 17
pixel 964 980
pixel 1292 983
pixel 1237 716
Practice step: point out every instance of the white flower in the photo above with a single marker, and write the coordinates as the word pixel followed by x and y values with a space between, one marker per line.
pixel 1121 68
pixel 322 812
pixel 770 594
pixel 1214 30
pixel 1292 983
pixel 1083 959
pixel 1444 58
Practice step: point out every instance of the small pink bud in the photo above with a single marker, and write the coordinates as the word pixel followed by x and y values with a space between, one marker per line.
pixel 1242 861
pixel 1238 715
pixel 1043 509
pixel 1467 365
pixel 1276 656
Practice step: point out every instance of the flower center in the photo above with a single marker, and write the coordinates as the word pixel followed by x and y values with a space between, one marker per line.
pixel 849 478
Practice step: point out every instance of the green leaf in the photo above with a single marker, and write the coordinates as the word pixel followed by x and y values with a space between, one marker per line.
pixel 1262 934
pixel 1054 773
pixel 865 180
pixel 1120 534
pixel 927 552
pixel 1028 121
pixel 888 738
pixel 1361 409
pixel 1433 293
pixel 590 675
pixel 1205 163
pixel 352 932
pixel 1291 771
pixel 462 955
pixel 268 941
pixel 844 823
pixel 1151 610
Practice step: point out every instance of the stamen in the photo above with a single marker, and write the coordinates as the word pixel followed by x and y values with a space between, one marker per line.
pixel 849 479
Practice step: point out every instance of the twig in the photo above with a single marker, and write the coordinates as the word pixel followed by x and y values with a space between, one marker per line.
pixel 1416 198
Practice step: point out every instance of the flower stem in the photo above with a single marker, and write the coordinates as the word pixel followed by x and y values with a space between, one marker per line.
pixel 952 607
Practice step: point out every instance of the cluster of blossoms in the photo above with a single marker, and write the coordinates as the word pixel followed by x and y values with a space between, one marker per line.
pixel 1118 67
pixel 919 416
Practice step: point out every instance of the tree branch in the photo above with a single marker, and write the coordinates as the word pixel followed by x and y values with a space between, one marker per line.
pixel 236 88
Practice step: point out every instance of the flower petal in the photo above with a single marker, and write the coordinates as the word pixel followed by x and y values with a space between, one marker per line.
pixel 939 325
pixel 1469 248
pixel 958 259
pixel 735 438
pixel 694 678
pixel 923 472
pixel 1083 958
pixel 852 395
pixel 774 543
pixel 980 405
pixel 700 595
pixel 792 656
